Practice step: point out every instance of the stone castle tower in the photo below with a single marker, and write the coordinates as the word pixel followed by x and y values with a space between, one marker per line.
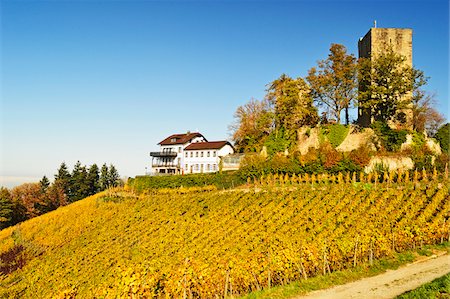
pixel 376 41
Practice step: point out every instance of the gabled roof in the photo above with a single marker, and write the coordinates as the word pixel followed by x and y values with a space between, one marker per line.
pixel 214 145
pixel 180 138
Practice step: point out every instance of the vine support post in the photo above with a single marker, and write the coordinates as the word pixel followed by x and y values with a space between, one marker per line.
pixel 185 280
pixel 225 292
pixel 356 252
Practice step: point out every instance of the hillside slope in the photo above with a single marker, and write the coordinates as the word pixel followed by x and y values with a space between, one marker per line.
pixel 203 244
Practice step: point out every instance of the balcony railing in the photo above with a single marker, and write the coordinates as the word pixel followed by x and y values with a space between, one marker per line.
pixel 163 164
pixel 163 154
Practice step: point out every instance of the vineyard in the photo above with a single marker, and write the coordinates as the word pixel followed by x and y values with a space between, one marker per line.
pixel 207 243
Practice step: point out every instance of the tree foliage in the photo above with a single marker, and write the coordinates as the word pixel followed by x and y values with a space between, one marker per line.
pixel 443 137
pixel 93 179
pixel 113 177
pixel 6 208
pixel 333 83
pixel 253 123
pixel 293 103
pixel 384 81
pixel 63 178
pixel 33 199
pixel 425 116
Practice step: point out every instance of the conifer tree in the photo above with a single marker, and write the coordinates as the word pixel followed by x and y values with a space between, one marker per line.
pixel 93 179
pixel 6 208
pixel 113 176
pixel 104 177
pixel 62 178
pixel 45 183
pixel 79 182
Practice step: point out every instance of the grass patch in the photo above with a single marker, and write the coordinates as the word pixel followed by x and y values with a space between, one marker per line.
pixel 334 133
pixel 341 277
pixel 438 288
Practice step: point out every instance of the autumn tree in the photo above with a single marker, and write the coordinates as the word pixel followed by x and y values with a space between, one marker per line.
pixel 384 81
pixel 29 196
pixel 254 121
pixel 55 196
pixel 424 116
pixel 333 83
pixel 293 103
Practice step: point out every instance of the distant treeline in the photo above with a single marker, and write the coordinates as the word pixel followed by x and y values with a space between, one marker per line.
pixel 33 199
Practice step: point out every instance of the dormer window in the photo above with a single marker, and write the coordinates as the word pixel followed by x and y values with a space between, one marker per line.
pixel 173 140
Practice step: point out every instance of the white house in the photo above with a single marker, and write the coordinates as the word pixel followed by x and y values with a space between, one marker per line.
pixel 169 160
pixel 189 153
pixel 203 157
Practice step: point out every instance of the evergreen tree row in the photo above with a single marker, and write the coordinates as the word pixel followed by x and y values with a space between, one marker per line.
pixel 33 199
pixel 84 181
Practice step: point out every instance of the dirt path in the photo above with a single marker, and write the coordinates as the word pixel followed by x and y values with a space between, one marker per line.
pixel 389 284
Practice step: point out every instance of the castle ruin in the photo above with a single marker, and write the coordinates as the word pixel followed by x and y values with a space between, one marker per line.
pixel 377 41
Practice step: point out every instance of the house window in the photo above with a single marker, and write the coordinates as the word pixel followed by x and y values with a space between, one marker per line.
pixel 196 167
pixel 179 149
pixel 208 168
pixel 214 153
pixel 207 154
pixel 186 167
pixel 201 165
pixel 201 154
pixel 192 154
pixel 196 154
pixel 186 155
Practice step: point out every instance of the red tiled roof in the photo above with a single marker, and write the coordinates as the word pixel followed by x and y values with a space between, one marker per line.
pixel 180 138
pixel 207 145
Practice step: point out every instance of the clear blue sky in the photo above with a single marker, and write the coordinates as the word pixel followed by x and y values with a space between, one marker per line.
pixel 105 81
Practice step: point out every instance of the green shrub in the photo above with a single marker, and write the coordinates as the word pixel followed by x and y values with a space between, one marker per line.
pixel 418 140
pixel 279 141
pixel 443 137
pixel 441 161
pixel 220 180
pixel 389 138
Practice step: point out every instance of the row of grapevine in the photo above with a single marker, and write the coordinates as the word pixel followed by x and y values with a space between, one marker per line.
pixel 353 177
pixel 216 244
